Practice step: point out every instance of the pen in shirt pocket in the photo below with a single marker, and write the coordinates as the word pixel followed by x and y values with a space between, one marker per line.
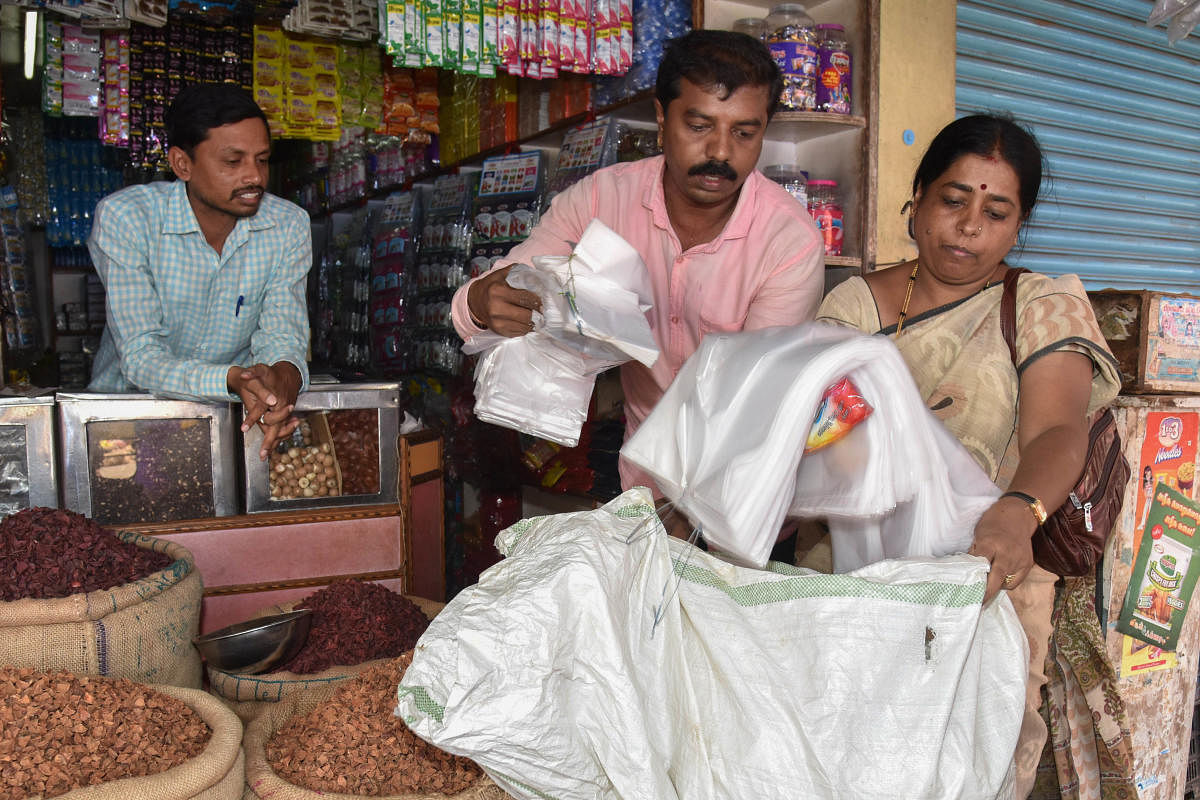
pixel 238 308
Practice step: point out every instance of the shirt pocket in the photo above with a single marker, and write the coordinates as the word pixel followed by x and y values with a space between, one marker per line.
pixel 722 320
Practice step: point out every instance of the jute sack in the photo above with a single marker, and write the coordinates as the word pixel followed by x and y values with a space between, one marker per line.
pixel 218 773
pixel 263 783
pixel 247 692
pixel 141 630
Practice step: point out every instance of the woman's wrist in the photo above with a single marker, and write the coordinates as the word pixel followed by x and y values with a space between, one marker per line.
pixel 1032 503
pixel 1021 510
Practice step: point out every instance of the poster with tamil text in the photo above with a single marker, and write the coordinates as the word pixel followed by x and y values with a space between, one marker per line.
pixel 1164 571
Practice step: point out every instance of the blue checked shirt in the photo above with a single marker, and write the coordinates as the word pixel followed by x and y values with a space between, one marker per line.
pixel 179 315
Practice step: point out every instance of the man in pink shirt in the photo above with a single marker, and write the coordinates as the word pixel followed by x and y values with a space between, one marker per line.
pixel 726 249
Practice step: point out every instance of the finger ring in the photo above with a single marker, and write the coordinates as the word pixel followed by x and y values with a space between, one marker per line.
pixel 263 419
pixel 1009 579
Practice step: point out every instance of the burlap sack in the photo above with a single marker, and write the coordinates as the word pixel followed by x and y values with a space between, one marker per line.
pixel 141 631
pixel 218 773
pixel 263 783
pixel 246 692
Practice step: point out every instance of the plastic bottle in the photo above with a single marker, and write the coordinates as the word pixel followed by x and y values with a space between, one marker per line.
pixel 792 40
pixel 833 69
pixel 790 177
pixel 826 210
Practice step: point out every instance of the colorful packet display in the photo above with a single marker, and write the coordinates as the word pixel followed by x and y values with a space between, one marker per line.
pixel 1164 570
pixel 114 119
pixel 842 407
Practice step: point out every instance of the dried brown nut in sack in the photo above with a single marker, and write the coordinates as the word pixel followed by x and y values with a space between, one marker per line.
pixel 354 744
pixel 59 732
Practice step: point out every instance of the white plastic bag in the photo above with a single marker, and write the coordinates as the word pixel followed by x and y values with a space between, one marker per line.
pixel 726 444
pixel 603 659
pixel 593 318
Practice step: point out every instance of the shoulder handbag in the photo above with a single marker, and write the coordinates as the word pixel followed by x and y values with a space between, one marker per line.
pixel 1071 541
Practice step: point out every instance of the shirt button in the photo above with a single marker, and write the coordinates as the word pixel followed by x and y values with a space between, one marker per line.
pixel 674 320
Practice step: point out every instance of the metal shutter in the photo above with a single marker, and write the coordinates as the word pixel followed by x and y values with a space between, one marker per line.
pixel 1117 112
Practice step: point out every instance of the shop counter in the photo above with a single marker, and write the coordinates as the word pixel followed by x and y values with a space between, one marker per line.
pixel 251 561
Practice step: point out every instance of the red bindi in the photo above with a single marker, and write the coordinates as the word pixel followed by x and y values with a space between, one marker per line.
pixel 983 186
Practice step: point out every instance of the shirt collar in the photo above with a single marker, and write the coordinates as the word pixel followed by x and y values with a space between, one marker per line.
pixel 738 226
pixel 180 218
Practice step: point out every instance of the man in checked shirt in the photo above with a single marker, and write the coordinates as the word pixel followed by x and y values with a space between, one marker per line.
pixel 205 275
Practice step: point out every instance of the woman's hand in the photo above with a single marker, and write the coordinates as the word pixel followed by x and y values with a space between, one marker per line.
pixel 1003 536
pixel 1052 436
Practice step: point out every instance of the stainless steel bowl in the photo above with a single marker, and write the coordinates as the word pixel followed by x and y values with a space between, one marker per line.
pixel 256 645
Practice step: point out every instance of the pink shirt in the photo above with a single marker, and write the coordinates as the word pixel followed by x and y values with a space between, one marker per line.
pixel 766 268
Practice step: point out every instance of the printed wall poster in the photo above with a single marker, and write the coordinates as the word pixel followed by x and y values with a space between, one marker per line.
pixel 1164 572
pixel 1168 456
pixel 1137 657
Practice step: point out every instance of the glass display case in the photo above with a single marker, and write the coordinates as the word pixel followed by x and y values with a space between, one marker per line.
pixel 345 451
pixel 28 475
pixel 132 458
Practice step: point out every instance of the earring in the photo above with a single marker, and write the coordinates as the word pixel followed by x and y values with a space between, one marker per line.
pixel 911 211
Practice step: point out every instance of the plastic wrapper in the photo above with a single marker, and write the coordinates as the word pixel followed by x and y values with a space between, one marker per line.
pixel 592 318
pixel 726 444
pixel 842 407
pixel 14 470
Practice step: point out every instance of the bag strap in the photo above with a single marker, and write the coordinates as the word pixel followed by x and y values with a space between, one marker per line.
pixel 1008 311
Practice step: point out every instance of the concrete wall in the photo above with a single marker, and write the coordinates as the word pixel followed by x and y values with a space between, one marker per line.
pixel 916 93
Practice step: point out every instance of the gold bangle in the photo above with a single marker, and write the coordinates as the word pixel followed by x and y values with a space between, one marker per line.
pixel 1035 506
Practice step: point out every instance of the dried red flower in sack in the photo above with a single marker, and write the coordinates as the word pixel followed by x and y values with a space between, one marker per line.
pixel 49 553
pixel 353 622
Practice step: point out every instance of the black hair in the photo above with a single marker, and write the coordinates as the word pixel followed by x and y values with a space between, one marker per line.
pixel 200 107
pixel 721 60
pixel 986 135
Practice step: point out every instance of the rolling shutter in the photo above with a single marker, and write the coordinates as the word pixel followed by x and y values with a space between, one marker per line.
pixel 1117 112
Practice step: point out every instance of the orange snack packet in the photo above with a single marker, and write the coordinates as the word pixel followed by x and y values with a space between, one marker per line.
pixel 842 407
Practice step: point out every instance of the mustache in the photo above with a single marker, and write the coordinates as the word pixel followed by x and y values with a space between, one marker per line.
pixel 720 169
pixel 249 188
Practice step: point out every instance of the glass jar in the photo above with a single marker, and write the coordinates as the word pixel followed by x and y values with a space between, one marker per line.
pixel 833 69
pixel 792 40
pixel 825 206
pixel 791 178
pixel 751 26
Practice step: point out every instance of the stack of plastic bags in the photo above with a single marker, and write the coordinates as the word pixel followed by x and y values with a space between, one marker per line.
pixel 605 660
pixel 726 444
pixel 593 317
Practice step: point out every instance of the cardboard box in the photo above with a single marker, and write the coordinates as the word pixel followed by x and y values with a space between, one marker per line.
pixel 1155 337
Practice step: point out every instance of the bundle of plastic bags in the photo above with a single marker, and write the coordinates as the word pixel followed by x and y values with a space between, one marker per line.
pixel 603 659
pixel 593 317
pixel 726 444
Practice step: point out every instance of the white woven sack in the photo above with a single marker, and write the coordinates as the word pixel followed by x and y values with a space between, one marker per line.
pixel 604 659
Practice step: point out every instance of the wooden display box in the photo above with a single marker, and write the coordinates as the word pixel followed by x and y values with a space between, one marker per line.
pixel 1155 337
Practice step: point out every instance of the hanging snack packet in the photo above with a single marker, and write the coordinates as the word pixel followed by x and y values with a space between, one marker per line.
pixel 842 407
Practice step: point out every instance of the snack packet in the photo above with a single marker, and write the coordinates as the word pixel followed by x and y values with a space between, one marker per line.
pixel 842 407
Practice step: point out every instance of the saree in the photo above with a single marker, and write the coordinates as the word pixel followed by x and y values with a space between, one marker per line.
pixel 959 360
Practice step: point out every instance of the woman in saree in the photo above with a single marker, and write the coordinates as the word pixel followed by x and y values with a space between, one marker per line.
pixel 1026 425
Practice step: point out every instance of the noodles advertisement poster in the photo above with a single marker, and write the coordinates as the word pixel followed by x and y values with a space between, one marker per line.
pixel 1164 571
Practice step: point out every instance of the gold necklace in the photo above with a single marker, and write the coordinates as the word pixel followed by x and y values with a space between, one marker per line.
pixel 907 296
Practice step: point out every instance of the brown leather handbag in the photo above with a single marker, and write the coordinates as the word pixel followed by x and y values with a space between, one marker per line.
pixel 1071 541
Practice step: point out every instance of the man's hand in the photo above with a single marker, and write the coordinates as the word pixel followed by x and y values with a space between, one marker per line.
pixel 499 307
pixel 269 396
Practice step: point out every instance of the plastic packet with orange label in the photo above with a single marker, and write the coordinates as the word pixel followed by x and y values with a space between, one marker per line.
pixel 842 407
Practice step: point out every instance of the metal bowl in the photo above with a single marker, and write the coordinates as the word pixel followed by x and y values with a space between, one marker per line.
pixel 256 645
